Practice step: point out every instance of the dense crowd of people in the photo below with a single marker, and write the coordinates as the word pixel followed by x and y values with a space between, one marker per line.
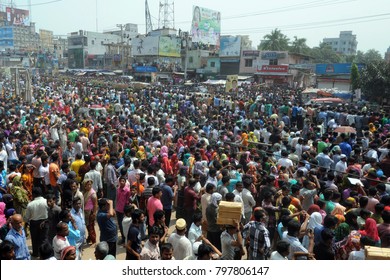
pixel 94 153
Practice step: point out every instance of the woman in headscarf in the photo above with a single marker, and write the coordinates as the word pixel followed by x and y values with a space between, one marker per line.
pixel 174 162
pixel 338 210
pixel 3 220
pixel 166 165
pixel 252 138
pixel 371 127
pixel 314 222
pixel 244 140
pixel 342 231
pixel 213 229
pixel 313 208
pixel 141 154
pixel 180 144
pixel 164 150
pixel 27 178
pixel 371 231
pixel 203 155
pixel 20 195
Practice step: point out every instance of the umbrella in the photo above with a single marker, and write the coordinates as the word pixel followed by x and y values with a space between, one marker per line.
pixel 345 129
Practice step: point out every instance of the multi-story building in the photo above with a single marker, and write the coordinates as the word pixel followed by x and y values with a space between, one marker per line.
pixel 19 38
pixel 60 46
pixel 346 43
pixel 88 49
pixel 46 37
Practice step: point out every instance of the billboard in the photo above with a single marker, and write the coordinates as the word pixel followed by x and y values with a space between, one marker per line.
pixel 145 45
pixel 169 46
pixel 17 16
pixel 231 83
pixel 230 46
pixel 336 68
pixel 206 26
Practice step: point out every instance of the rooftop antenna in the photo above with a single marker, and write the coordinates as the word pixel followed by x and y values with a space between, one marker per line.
pixel 166 18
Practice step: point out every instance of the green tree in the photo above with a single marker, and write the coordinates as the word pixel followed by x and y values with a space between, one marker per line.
pixel 275 41
pixel 375 81
pixel 325 54
pixel 299 46
pixel 355 82
pixel 368 57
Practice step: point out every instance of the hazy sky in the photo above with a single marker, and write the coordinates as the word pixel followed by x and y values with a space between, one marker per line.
pixel 313 20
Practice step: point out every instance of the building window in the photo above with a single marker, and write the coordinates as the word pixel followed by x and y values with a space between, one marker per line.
pixel 212 64
pixel 335 49
pixel 191 59
pixel 273 62
pixel 248 62
pixel 93 42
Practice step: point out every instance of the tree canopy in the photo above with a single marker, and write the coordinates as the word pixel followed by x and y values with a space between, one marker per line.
pixel 375 81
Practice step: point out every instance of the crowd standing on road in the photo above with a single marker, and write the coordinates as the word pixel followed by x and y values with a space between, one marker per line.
pixel 90 151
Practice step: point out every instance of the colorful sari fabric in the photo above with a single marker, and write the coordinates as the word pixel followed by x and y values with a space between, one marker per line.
pixel 370 230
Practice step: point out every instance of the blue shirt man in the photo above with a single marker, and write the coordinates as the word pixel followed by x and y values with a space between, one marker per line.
pixel 17 237
pixel 168 193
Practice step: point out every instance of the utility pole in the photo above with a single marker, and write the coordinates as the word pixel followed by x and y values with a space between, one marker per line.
pixel 122 53
pixel 185 38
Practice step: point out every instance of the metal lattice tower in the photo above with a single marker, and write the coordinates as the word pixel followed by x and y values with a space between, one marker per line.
pixel 148 18
pixel 166 18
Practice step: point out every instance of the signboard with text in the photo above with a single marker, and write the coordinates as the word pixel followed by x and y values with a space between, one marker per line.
pixel 274 68
pixel 336 68
pixel 272 55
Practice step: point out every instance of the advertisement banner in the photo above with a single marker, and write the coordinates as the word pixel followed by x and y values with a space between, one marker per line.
pixel 231 83
pixel 230 46
pixel 169 46
pixel 274 68
pixel 206 26
pixel 336 68
pixel 143 46
pixel 17 16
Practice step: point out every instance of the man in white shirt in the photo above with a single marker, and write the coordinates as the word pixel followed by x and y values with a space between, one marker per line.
pixel 205 199
pixel 182 246
pixel 195 231
pixel 341 166
pixel 36 216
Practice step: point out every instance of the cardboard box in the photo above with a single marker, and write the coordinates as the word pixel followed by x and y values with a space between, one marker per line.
pixel 228 212
pixel 376 253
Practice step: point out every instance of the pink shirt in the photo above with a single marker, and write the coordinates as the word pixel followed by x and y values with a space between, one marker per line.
pixel 122 198
pixel 153 205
